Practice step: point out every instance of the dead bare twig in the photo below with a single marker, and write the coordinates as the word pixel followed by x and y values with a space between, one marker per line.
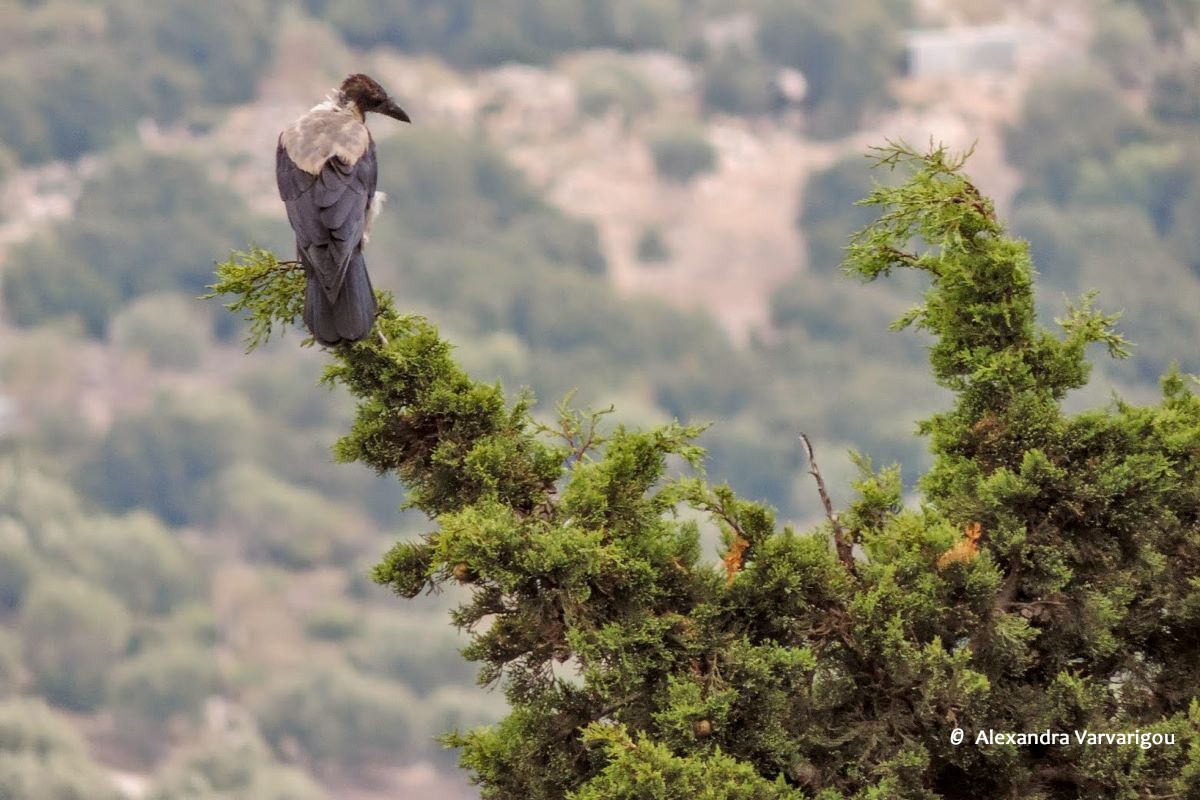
pixel 841 540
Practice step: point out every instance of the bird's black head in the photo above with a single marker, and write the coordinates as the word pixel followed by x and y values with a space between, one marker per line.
pixel 368 95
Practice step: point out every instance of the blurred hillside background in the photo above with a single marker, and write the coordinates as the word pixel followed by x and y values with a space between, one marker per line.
pixel 643 200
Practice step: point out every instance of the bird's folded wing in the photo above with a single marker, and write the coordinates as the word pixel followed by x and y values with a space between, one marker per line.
pixel 328 211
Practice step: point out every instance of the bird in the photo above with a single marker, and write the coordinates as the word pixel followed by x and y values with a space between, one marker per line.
pixel 326 170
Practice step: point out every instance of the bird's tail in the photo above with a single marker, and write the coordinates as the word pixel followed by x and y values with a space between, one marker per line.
pixel 347 318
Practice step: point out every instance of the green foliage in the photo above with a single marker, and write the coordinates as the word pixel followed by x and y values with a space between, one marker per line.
pixel 1054 155
pixel 1088 247
pixel 18 564
pixel 534 31
pixel 412 653
pixel 682 155
pixel 1185 235
pixel 608 85
pixel 152 693
pixel 652 246
pixel 10 663
pixel 79 75
pixel 847 53
pixel 334 623
pixel 1047 580
pixel 142 225
pixel 1170 19
pixel 642 769
pixel 284 524
pixel 136 559
pixel 72 634
pixel 338 718
pixel 828 210
pixel 268 292
pixel 738 82
pixel 233 771
pixel 170 329
pixel 1176 95
pixel 43 758
pixel 165 458
pixel 1124 42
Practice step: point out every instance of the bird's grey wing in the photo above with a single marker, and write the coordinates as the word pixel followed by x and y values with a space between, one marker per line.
pixel 328 212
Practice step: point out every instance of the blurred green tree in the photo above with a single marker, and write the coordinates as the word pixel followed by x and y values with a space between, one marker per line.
pixel 72 634
pixel 735 81
pixel 336 718
pixel 78 75
pixel 288 525
pixel 137 229
pixel 408 651
pixel 166 458
pixel 158 690
pixel 846 52
pixel 171 329
pixel 136 559
pixel 682 155
pixel 42 757
pixel 233 770
pixel 1053 155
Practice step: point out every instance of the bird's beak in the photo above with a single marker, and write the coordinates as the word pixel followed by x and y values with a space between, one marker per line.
pixel 392 110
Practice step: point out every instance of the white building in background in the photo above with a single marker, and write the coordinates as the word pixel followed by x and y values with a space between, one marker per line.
pixel 956 51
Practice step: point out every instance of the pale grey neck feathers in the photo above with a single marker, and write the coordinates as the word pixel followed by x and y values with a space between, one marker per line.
pixel 334 127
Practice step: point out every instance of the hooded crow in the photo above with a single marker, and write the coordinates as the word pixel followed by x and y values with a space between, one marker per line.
pixel 326 170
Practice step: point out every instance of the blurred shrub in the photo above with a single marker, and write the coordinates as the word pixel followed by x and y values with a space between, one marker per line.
pixel 72 634
pixel 682 155
pixel 1150 176
pixel 552 237
pixel 45 508
pixel 158 690
pixel 42 758
pixel 1176 93
pixel 284 524
pixel 609 85
pixel 18 564
pixel 443 186
pixel 828 215
pixel 227 771
pixel 463 707
pixel 334 623
pixel 196 623
pixel 533 31
pixel 146 223
pixel 286 391
pixel 164 458
pixel 734 81
pixel 1185 237
pixel 1172 20
pixel 79 75
pixel 421 653
pixel 1051 155
pixel 136 559
pixel 174 331
pixel 10 663
pixel 652 247
pixel 1124 42
pixel 1077 249
pixel 458 708
pixel 848 52
pixel 334 716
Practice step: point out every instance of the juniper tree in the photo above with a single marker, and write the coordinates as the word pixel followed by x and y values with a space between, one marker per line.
pixel 1048 578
